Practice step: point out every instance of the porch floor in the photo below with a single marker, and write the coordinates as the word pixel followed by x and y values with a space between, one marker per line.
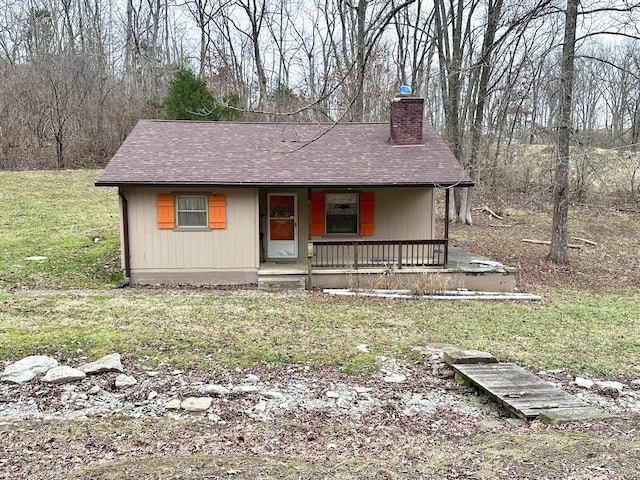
pixel 475 271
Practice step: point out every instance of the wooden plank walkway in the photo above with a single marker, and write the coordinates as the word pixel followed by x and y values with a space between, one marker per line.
pixel 523 393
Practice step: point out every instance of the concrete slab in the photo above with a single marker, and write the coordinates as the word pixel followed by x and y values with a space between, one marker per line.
pixel 454 356
pixel 281 283
pixel 557 416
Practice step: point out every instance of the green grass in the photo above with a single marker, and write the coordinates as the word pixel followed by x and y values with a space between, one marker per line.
pixel 61 214
pixel 582 332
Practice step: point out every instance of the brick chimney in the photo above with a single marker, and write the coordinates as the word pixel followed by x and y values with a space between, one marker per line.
pixel 406 119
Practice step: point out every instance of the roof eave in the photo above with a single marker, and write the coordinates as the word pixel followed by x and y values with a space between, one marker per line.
pixel 444 184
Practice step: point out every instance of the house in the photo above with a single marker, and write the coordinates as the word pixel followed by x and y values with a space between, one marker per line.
pixel 207 203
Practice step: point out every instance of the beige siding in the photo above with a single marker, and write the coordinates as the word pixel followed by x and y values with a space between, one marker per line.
pixel 234 248
pixel 399 214
pixel 403 214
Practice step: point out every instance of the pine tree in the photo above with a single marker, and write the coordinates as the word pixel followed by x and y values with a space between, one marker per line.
pixel 188 98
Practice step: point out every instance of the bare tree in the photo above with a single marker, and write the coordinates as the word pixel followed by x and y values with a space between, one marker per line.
pixel 558 252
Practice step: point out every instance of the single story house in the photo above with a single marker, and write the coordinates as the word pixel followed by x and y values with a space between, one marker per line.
pixel 206 203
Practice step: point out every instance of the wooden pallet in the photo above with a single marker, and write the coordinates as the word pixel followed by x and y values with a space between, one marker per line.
pixel 520 391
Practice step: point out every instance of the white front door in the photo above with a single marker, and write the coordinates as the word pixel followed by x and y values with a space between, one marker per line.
pixel 282 228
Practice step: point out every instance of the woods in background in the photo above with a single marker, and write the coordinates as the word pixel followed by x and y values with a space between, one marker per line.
pixel 77 74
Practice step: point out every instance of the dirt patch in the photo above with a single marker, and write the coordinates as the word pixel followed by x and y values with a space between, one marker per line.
pixel 612 263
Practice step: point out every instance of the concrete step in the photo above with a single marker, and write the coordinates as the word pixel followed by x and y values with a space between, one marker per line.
pixel 275 283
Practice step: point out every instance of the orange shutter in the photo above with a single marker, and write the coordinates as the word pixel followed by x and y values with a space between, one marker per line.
pixel 366 214
pixel 317 214
pixel 166 216
pixel 217 211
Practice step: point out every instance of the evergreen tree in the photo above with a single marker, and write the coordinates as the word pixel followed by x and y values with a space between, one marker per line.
pixel 188 98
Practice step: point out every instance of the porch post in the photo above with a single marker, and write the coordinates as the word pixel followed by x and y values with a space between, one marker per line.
pixel 446 227
pixel 309 243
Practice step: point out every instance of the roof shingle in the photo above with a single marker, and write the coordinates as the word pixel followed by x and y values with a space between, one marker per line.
pixel 183 153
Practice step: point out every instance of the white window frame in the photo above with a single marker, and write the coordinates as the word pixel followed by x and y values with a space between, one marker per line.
pixel 205 211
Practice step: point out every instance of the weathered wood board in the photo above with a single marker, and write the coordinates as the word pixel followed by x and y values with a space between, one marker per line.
pixel 523 393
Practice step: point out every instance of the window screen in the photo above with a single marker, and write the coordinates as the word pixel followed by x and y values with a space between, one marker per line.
pixel 341 213
pixel 191 211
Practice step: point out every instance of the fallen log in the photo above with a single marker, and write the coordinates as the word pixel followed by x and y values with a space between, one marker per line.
pixel 589 242
pixel 547 242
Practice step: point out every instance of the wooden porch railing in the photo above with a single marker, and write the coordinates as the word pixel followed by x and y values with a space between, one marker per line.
pixel 379 253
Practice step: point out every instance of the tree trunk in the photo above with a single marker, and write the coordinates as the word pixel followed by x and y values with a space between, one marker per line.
pixel 558 252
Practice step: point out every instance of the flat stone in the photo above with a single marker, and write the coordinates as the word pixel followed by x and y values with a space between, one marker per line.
pixel 556 416
pixel 583 382
pixel 247 389
pixel 395 378
pixel 362 390
pixel 252 378
pixel 36 258
pixel 458 356
pixel 173 404
pixel 196 404
pixel 124 381
pixel 63 374
pixel 108 363
pixel 610 385
pixel 217 390
pixel 26 369
pixel 331 394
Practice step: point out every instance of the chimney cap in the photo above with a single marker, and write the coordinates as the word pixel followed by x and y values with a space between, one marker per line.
pixel 404 90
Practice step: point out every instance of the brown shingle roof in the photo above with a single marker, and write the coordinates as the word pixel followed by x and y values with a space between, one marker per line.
pixel 284 154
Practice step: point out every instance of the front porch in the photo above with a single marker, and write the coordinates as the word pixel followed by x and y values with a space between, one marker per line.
pixel 398 265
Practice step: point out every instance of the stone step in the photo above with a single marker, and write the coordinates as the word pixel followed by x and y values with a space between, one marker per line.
pixel 274 283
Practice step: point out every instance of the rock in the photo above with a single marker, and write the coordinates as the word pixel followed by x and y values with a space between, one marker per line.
pixel 331 394
pixel 247 389
pixel 395 378
pixel 363 348
pixel 124 381
pixel 173 404
pixel 442 370
pixel 583 382
pixel 196 404
pixel 260 407
pixel 152 394
pixel 610 385
pixel 24 370
pixel 362 390
pixel 217 390
pixel 557 416
pixel 108 363
pixel 458 356
pixel 63 374
pixel 252 379
pixel 94 390
pixel 272 395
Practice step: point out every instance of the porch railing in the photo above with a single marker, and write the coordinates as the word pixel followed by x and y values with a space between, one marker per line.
pixel 379 253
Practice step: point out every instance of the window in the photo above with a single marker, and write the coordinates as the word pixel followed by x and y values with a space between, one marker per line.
pixel 191 211
pixel 341 213
pixel 200 211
